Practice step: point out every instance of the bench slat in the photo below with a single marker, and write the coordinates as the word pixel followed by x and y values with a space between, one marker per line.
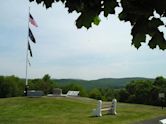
pixel 105 109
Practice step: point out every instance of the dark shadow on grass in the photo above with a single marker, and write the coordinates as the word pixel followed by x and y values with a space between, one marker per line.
pixel 91 116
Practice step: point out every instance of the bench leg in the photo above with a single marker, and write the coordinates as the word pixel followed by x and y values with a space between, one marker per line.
pixel 97 111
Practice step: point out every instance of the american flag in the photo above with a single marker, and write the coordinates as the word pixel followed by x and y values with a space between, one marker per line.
pixel 32 21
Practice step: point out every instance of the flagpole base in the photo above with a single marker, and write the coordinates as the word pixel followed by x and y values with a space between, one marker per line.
pixel 26 90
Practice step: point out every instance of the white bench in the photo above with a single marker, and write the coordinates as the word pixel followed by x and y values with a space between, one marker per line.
pixel 106 109
pixel 111 110
pixel 72 93
pixel 163 121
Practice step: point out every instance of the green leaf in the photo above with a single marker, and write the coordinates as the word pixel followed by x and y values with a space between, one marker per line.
pixel 139 32
pixel 74 5
pixel 39 1
pixel 96 20
pixel 84 20
pixel 155 22
pixel 109 7
pixel 123 15
pixel 157 39
pixel 48 3
pixel 137 39
pixel 131 17
pixel 160 6
pixel 153 42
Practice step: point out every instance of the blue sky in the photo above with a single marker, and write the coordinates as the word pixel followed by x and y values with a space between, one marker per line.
pixel 63 51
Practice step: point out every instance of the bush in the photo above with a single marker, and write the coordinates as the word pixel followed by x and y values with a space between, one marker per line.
pixel 95 93
pixel 11 86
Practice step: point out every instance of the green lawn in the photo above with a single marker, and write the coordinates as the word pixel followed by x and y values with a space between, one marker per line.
pixel 63 110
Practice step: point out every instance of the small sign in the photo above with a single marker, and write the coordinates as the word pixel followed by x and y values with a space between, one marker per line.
pixel 161 95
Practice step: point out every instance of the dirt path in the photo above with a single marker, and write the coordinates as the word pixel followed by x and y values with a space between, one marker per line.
pixel 152 121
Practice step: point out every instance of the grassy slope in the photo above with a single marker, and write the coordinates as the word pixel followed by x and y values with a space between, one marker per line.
pixel 69 111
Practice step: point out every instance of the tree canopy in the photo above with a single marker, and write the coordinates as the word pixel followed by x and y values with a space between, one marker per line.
pixel 145 16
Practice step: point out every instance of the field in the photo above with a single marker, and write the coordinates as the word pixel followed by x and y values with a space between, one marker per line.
pixel 21 110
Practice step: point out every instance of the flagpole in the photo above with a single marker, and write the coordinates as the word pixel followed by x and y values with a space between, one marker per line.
pixel 26 73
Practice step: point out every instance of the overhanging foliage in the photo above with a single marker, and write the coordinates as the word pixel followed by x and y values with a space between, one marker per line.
pixel 140 13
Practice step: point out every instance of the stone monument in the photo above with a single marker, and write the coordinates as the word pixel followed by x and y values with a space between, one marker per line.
pixel 57 92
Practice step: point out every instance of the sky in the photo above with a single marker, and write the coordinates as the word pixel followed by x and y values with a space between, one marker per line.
pixel 63 51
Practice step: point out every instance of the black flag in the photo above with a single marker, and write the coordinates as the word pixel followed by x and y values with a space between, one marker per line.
pixel 29 48
pixel 31 36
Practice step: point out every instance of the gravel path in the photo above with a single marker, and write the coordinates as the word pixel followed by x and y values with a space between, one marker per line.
pixel 152 121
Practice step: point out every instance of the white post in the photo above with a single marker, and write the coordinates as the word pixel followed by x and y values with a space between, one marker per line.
pixel 113 107
pixel 97 111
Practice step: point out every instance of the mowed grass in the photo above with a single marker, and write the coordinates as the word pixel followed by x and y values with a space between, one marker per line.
pixel 22 110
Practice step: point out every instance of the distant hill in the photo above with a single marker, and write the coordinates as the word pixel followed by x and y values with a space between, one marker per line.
pixel 100 83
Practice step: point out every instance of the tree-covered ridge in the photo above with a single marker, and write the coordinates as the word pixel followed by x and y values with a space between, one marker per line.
pixel 100 83
pixel 145 16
